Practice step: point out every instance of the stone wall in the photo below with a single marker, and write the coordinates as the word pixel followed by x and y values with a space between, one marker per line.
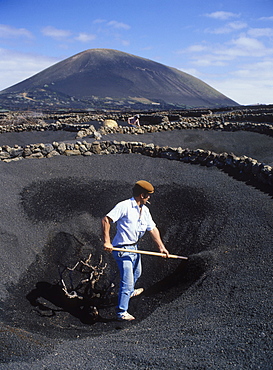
pixel 247 166
pixel 213 122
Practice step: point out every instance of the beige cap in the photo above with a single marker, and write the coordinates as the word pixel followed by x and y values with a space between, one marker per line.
pixel 146 186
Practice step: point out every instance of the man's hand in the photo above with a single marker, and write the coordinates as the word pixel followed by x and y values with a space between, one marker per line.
pixel 108 247
pixel 162 249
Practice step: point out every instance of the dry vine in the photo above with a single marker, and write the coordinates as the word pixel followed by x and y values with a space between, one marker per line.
pixel 85 288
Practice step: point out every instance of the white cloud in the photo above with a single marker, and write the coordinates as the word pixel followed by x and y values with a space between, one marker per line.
pixel 147 48
pixel 7 31
pixel 247 46
pixel 228 28
pixel 221 54
pixel 118 25
pixel 55 33
pixel 251 84
pixel 99 20
pixel 85 37
pixel 238 49
pixel 237 25
pixel 210 60
pixel 125 42
pixel 266 18
pixel 197 48
pixel 241 67
pixel 243 91
pixel 16 66
pixel 222 15
pixel 261 70
pixel 260 32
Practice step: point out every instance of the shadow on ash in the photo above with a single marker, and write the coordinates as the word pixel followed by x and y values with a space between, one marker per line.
pixel 71 287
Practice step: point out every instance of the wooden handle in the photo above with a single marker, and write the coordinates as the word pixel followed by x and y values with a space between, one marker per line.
pixel 148 252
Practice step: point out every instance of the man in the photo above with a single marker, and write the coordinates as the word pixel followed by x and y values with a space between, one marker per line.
pixel 133 218
pixel 134 121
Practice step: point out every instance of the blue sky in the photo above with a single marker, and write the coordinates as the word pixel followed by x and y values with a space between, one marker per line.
pixel 227 44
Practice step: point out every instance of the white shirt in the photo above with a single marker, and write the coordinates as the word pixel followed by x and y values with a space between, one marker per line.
pixel 132 222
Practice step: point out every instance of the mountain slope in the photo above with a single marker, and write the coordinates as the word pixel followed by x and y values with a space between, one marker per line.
pixel 100 75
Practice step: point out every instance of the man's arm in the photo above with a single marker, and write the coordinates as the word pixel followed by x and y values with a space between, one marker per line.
pixel 106 225
pixel 157 239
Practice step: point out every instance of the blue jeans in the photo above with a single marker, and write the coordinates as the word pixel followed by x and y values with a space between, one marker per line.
pixel 129 265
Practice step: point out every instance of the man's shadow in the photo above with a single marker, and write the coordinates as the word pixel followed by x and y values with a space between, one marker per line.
pixel 85 309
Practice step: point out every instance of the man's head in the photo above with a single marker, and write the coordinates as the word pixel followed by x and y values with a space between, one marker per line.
pixel 143 189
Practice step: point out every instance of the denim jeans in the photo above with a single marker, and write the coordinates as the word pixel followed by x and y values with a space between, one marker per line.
pixel 129 265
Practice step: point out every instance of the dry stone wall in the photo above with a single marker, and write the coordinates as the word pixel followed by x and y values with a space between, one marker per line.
pixel 155 123
pixel 248 166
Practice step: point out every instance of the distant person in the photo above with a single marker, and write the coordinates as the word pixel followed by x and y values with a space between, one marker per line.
pixel 133 218
pixel 134 121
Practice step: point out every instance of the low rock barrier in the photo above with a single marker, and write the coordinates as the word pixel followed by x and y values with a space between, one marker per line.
pixel 250 167
pixel 84 129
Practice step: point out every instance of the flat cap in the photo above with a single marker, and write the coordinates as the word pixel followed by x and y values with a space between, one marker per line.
pixel 147 186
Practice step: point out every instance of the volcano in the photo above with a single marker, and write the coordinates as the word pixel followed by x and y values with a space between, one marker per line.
pixel 99 78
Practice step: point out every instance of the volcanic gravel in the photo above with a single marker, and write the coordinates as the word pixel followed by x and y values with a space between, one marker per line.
pixel 213 311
